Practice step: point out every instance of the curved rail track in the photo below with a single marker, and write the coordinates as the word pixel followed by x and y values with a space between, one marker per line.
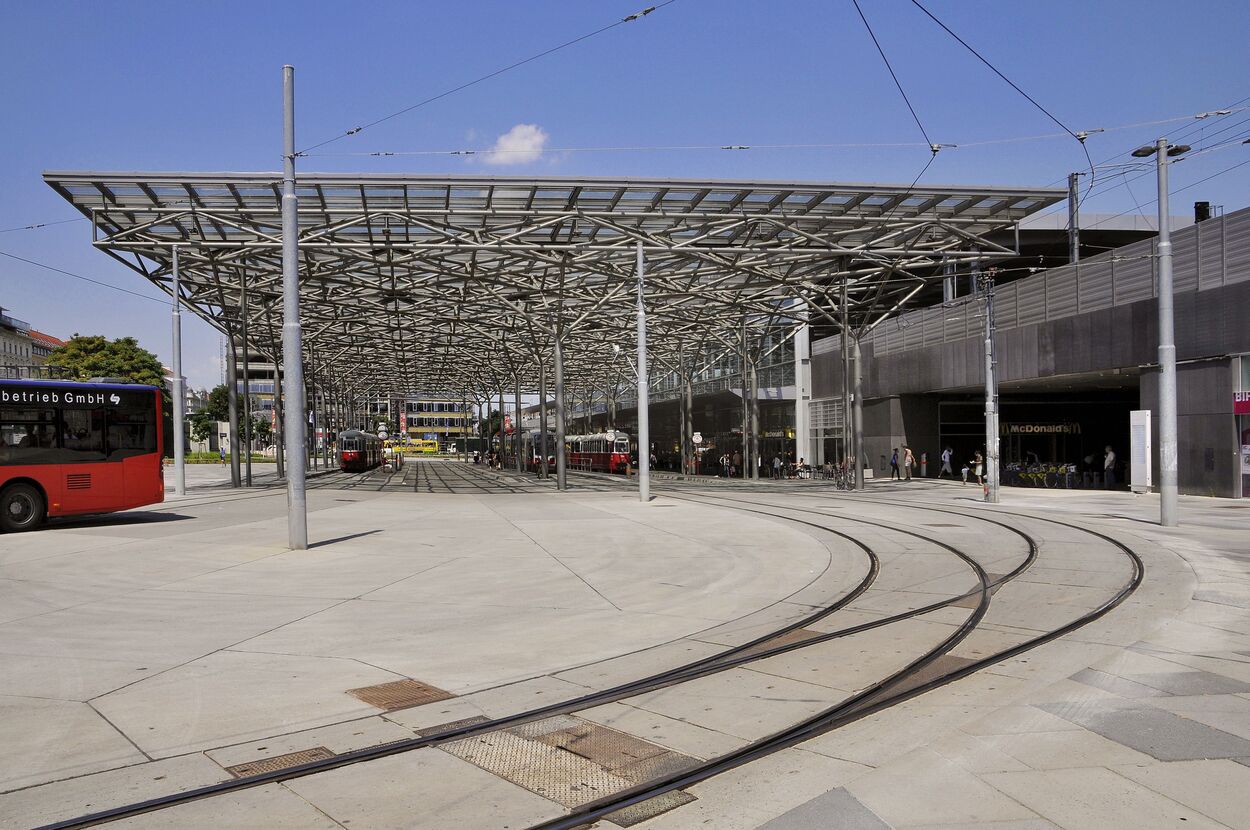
pixel 907 682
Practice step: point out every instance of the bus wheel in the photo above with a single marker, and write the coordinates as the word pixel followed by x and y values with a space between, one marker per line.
pixel 21 508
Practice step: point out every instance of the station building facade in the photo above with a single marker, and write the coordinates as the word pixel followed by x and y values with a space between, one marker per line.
pixel 1076 352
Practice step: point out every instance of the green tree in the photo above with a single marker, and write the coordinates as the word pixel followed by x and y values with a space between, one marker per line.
pixel 488 427
pixel 262 430
pixel 88 356
pixel 202 425
pixel 219 403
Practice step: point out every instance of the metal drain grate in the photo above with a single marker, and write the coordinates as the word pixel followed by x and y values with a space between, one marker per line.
pixel 561 776
pixel 455 724
pixel 293 759
pixel 649 809
pixel 608 748
pixel 399 694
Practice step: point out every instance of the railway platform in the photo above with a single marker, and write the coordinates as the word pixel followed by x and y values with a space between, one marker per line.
pixel 469 648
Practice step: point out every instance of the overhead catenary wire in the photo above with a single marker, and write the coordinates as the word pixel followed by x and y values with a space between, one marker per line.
pixel 84 279
pixel 897 83
pixel 1079 136
pixel 496 73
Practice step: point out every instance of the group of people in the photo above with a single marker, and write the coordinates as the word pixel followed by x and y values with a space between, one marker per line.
pixel 901 466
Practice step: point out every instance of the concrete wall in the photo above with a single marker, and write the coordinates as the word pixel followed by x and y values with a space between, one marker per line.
pixel 1207 451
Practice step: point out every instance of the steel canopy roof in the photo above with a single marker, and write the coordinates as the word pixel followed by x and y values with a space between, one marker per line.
pixel 437 284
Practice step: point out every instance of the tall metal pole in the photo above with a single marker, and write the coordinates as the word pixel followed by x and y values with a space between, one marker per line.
pixel 542 418
pixel 991 395
pixel 644 402
pixel 278 450
pixel 1074 220
pixel 232 398
pixel 688 428
pixel 516 424
pixel 846 380
pixel 746 394
pixel 180 397
pixel 562 482
pixel 857 413
pixel 292 336
pixel 1167 354
pixel 247 386
pixel 752 461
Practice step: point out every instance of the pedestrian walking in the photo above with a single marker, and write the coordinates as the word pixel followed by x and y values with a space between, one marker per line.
pixel 777 467
pixel 1108 468
pixel 946 463
pixel 978 464
pixel 909 461
pixel 964 472
pixel 222 452
pixel 738 463
pixel 894 466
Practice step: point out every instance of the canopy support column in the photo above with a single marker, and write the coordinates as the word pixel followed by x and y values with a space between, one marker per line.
pixel 292 335
pixel 857 411
pixel 247 384
pixel 180 397
pixel 562 482
pixel 644 402
pixel 232 398
pixel 543 472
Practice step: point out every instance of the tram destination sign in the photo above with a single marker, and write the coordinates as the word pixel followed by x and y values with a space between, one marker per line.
pixel 21 395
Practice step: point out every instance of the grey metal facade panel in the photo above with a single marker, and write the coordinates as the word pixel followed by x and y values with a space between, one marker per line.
pixel 1061 293
pixel 1046 350
pixel 1031 301
pixel 1005 301
pixel 1094 286
pixel 1133 277
pixel 1185 262
pixel 1237 247
pixel 1210 235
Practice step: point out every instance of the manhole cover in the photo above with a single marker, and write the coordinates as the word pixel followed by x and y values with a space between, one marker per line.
pixel 293 759
pixel 399 694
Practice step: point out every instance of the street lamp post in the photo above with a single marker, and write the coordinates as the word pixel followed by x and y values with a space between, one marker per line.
pixel 1167 338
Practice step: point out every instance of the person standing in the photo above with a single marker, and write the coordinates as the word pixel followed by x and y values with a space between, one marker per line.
pixel 978 467
pixel 777 467
pixel 1108 468
pixel 909 461
pixel 737 464
pixel 894 466
pixel 222 452
pixel 946 463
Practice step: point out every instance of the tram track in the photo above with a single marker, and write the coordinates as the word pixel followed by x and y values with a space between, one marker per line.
pixel 886 692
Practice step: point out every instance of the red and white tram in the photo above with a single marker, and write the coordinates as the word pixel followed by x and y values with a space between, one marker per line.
pixel 532 450
pixel 604 451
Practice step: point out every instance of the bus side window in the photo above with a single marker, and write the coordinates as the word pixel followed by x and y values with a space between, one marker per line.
pixel 130 433
pixel 82 435
pixel 27 437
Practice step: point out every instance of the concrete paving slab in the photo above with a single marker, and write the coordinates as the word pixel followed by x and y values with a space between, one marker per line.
pixel 338 738
pixel 426 788
pixel 1089 798
pixel 925 788
pixel 260 808
pixel 62 800
pixel 836 808
pixel 1065 749
pixel 678 735
pixel 1160 734
pixel 48 740
pixel 1217 789
pixel 232 697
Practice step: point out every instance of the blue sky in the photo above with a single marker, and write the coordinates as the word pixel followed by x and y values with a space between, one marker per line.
pixel 197 87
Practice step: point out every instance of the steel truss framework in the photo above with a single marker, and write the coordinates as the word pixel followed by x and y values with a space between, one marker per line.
pixel 454 285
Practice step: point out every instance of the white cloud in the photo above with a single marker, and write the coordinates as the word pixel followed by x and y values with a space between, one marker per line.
pixel 521 144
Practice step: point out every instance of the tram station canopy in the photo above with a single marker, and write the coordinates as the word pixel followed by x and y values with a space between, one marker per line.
pixel 416 283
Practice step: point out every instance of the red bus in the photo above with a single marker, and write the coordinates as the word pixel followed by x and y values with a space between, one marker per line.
pixel 71 448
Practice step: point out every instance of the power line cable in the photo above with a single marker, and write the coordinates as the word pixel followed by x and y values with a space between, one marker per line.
pixel 906 100
pixel 1178 190
pixel 1080 137
pixel 84 279
pixel 43 225
pixel 628 19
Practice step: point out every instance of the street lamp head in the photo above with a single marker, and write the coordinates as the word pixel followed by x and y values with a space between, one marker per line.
pixel 1178 149
pixel 1144 152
